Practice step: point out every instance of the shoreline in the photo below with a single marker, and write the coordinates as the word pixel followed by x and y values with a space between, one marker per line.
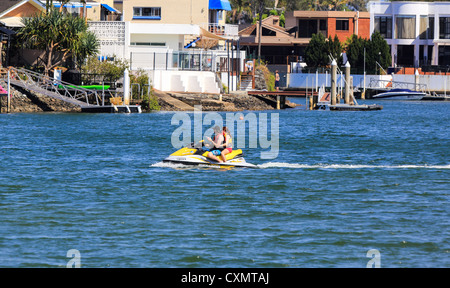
pixel 24 101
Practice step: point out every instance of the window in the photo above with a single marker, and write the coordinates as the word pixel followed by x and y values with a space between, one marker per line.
pixel 147 44
pixel 405 27
pixel 149 13
pixel 342 25
pixel 306 28
pixel 426 28
pixel 444 27
pixel 384 26
pixel 267 32
pixel 323 25
pixel 430 30
pixel 444 55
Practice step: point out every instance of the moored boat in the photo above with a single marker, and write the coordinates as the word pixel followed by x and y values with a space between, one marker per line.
pixel 400 94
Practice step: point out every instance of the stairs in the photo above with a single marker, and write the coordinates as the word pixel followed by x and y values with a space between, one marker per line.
pixel 189 40
pixel 247 82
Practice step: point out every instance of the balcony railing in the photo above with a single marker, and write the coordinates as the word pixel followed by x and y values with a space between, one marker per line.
pixel 224 30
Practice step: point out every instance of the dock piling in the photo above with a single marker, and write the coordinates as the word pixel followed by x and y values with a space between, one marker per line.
pixel 8 105
pixel 416 80
pixel 126 87
pixel 333 82
pixel 347 83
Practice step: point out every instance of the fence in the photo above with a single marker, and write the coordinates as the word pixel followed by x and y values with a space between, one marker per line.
pixel 187 61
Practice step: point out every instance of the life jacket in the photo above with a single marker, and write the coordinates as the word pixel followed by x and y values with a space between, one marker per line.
pixel 230 141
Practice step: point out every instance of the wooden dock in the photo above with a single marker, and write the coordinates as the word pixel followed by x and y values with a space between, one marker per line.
pixel 279 97
pixel 112 109
pixel 290 93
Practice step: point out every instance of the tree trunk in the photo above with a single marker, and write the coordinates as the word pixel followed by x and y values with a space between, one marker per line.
pixel 261 9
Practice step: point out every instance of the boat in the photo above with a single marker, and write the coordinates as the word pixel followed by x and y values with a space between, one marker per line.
pixel 197 155
pixel 400 94
pixel 348 107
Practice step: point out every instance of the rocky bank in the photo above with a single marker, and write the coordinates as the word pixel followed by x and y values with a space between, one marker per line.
pixel 171 101
pixel 24 101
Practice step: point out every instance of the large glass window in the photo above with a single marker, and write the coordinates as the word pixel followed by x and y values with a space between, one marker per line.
pixel 405 27
pixel 444 27
pixel 384 26
pixel 430 30
pixel 423 25
pixel 306 28
pixel 152 13
pixel 444 55
pixel 426 29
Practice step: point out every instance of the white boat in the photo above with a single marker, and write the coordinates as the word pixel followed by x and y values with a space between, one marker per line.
pixel 400 94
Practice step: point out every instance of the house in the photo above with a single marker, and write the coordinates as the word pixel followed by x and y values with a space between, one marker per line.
pixel 161 26
pixel 342 24
pixel 11 17
pixel 281 46
pixel 95 11
pixel 153 35
pixel 276 41
pixel 417 32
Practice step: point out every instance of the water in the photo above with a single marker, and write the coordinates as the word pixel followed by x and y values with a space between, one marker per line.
pixel 343 183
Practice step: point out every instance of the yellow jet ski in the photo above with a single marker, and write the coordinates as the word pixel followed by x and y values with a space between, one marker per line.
pixel 198 155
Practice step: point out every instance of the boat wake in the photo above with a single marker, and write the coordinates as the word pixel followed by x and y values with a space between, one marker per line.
pixel 316 166
pixel 348 166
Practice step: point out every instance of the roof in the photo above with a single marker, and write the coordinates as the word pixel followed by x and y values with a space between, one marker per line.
pixel 266 24
pixel 17 21
pixel 12 21
pixel 330 14
pixel 36 3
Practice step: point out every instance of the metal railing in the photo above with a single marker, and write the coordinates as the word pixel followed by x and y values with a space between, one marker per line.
pixel 224 30
pixel 51 87
pixel 388 84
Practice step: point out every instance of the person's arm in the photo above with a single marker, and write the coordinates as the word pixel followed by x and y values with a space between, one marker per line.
pixel 219 139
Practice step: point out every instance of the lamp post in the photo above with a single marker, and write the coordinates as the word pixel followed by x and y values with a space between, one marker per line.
pixel 379 60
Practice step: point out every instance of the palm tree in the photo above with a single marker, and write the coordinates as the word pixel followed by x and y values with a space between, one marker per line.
pixel 63 2
pixel 59 36
pixel 48 5
pixel 335 5
pixel 82 14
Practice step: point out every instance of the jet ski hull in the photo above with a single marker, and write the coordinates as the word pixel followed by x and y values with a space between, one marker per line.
pixel 192 156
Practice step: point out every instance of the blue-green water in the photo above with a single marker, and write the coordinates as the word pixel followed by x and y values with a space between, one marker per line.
pixel 342 184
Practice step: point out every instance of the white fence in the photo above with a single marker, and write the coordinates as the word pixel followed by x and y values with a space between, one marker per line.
pixel 432 82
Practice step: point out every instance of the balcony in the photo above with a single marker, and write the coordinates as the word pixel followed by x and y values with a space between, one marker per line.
pixel 225 30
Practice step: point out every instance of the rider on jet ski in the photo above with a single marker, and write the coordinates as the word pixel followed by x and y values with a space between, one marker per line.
pixel 218 145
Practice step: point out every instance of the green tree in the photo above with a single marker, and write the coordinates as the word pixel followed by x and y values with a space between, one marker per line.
pixel 149 100
pixel 111 69
pixel 377 50
pixel 59 36
pixel 316 53
pixel 335 48
pixel 355 51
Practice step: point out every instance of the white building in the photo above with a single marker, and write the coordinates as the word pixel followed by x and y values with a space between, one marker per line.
pixel 417 32
pixel 163 37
